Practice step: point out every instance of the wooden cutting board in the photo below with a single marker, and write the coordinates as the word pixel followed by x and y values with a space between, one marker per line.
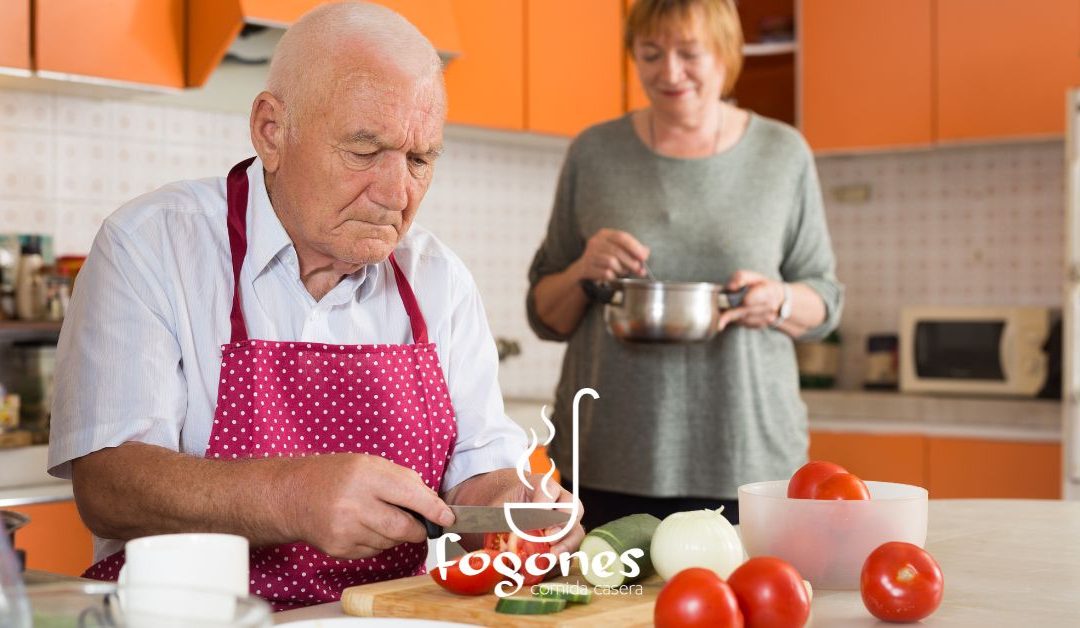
pixel 420 598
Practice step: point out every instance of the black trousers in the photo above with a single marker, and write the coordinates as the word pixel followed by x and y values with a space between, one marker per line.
pixel 604 506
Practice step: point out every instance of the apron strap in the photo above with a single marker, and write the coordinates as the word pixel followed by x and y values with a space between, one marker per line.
pixel 412 308
pixel 236 189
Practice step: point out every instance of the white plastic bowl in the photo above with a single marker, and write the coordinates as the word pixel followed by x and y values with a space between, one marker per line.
pixel 828 540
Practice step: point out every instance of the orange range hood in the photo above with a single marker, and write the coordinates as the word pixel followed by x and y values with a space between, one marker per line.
pixel 213 26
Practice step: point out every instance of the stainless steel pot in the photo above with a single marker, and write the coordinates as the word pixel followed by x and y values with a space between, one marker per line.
pixel 639 310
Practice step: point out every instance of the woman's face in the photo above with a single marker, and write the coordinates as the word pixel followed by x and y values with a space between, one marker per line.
pixel 679 68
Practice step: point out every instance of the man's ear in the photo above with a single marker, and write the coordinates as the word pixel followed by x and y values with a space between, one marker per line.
pixel 268 130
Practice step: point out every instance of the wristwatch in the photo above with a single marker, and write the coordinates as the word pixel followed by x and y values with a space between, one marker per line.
pixel 785 308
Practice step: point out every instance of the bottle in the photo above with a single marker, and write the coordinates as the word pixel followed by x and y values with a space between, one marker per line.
pixel 14 607
pixel 30 263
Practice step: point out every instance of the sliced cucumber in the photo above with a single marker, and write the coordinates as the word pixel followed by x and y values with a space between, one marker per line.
pixel 633 531
pixel 572 593
pixel 529 606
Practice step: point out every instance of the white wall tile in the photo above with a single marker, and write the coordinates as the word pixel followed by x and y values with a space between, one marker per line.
pixel 973 225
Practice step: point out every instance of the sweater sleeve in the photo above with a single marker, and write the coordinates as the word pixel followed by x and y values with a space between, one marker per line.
pixel 562 245
pixel 808 254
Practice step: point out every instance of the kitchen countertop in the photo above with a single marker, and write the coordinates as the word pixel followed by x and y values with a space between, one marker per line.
pixel 1037 420
pixel 1006 563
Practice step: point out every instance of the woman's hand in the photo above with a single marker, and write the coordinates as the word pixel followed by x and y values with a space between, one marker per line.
pixel 611 253
pixel 760 305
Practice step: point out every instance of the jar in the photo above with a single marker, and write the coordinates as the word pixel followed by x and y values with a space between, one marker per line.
pixel 882 362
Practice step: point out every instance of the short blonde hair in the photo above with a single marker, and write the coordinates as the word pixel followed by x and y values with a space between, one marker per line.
pixel 721 24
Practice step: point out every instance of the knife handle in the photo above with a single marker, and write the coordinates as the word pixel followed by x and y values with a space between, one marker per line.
pixel 434 530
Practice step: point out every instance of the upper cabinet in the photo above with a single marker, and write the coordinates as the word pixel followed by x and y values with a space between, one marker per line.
pixel 881 73
pixel 486 84
pixel 1004 66
pixel 129 41
pixel 15 34
pixel 866 73
pixel 573 64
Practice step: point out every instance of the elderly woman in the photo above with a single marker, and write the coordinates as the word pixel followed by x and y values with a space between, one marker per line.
pixel 704 191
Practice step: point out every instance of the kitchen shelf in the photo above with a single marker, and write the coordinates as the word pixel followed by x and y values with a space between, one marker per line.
pixel 13 331
pixel 770 49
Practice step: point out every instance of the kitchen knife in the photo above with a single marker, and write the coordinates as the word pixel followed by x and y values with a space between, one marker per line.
pixel 472 519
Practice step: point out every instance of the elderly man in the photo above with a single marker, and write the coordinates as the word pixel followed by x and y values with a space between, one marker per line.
pixel 226 331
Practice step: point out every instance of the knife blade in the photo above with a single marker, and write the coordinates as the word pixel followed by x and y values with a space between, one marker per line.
pixel 472 519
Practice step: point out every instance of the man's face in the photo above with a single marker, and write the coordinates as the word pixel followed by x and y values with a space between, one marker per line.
pixel 349 183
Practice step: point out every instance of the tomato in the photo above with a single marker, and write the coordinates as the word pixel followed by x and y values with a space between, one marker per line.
pixel 771 593
pixel 697 597
pixel 510 542
pixel 842 486
pixel 901 582
pixel 805 481
pixel 478 584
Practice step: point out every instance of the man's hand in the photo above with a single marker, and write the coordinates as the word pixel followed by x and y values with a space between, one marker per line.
pixel 350 505
pixel 498 487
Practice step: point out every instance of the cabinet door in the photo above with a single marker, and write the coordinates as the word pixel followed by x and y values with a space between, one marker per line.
pixel 966 468
pixel 574 72
pixel 1004 66
pixel 877 457
pixel 55 540
pixel 15 34
pixel 132 41
pixel 866 73
pixel 486 83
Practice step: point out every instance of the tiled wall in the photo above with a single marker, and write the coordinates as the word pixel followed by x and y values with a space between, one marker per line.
pixel 960 225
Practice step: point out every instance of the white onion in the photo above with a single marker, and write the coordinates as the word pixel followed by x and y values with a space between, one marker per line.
pixel 698 538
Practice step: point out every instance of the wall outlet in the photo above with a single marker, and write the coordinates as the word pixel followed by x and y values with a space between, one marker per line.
pixel 853 193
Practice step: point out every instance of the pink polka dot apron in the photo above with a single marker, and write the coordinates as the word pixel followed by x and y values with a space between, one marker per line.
pixel 303 398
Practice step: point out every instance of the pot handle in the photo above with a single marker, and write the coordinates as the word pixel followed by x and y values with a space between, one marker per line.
pixel 729 300
pixel 602 291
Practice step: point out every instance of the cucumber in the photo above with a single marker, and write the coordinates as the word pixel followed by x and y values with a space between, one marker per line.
pixel 572 593
pixel 633 531
pixel 529 606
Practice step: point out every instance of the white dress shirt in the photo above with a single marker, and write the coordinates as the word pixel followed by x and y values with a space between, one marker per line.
pixel 140 350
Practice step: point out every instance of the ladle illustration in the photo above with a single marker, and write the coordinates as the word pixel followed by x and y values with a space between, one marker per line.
pixel 574 505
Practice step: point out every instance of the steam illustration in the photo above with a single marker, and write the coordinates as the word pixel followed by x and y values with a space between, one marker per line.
pixel 545 482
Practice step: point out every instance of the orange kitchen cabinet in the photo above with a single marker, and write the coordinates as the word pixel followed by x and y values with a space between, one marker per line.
pixel 867 72
pixel 964 467
pixel 15 34
pixel 878 457
pixel 55 540
pixel 130 41
pixel 1004 66
pixel 486 84
pixel 573 64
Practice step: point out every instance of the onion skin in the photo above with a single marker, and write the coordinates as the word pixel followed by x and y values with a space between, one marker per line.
pixel 698 538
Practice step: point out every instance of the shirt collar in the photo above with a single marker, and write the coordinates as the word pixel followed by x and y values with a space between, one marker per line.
pixel 266 235
pixel 267 240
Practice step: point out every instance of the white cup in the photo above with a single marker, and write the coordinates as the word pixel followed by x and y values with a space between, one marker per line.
pixel 184 575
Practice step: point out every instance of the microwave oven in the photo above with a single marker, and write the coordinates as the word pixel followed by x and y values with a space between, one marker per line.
pixel 1012 351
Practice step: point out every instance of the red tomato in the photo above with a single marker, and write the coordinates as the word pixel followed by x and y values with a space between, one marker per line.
pixel 697 597
pixel 901 582
pixel 478 584
pixel 805 481
pixel 510 542
pixel 771 593
pixel 842 486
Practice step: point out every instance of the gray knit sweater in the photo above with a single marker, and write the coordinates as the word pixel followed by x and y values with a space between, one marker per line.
pixel 688 419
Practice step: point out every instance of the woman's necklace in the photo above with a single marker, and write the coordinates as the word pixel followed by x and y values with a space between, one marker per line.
pixel 716 140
